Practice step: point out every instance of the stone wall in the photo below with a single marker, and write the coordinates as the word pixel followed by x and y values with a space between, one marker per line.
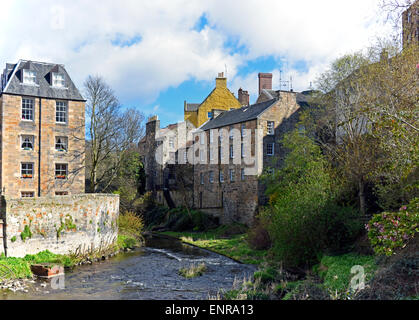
pixel 61 224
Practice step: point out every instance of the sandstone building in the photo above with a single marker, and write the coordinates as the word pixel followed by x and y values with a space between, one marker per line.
pixel 216 167
pixel 42 119
pixel 220 99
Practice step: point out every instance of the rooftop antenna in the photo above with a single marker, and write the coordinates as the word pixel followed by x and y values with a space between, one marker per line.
pixel 282 83
pixel 290 83
pixel 225 67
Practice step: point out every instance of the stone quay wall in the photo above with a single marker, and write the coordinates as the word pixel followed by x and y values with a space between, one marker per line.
pixel 60 224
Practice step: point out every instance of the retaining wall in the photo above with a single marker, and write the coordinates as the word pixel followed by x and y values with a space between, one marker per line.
pixel 61 224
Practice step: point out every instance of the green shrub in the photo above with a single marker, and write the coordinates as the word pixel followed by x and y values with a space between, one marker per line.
pixel 131 224
pixel 303 217
pixel 389 231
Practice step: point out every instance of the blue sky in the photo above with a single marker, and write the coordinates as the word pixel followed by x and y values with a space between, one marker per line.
pixel 156 54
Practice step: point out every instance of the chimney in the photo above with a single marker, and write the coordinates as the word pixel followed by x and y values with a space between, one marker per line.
pixel 265 81
pixel 221 81
pixel 243 97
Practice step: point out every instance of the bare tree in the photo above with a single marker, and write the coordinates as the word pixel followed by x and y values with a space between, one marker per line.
pixel 111 132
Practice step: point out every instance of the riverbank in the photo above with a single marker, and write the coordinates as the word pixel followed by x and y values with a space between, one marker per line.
pixel 223 240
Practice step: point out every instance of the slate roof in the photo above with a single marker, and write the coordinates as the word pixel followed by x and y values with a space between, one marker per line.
pixel 13 76
pixel 301 97
pixel 238 115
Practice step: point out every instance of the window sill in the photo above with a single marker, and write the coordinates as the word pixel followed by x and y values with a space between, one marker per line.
pixel 26 120
pixel 29 84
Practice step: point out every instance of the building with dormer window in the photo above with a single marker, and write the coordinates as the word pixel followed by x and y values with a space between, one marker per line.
pixel 42 119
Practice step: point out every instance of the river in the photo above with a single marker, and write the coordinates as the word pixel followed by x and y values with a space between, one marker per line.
pixel 147 273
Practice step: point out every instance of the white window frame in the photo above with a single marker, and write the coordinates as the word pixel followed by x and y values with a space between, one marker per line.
pixel 211 154
pixel 171 142
pixel 28 107
pixel 273 149
pixel 26 170
pixel 271 128
pixel 201 138
pixel 65 143
pixel 211 136
pixel 231 151
pixel 221 176
pixel 60 170
pixel 29 77
pixel 27 194
pixel 58 80
pixel 22 141
pixel 232 173
pixel 211 176
pixel 59 113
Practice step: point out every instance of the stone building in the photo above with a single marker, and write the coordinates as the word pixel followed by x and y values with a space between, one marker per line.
pixel 216 167
pixel 42 119
pixel 235 149
pixel 220 99
pixel 410 24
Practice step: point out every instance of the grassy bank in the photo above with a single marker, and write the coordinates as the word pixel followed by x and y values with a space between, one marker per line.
pixel 218 240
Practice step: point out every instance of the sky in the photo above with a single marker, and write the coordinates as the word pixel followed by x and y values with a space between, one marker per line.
pixel 156 54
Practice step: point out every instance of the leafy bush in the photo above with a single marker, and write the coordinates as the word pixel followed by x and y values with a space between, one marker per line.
pixel 303 218
pixel 131 225
pixel 389 231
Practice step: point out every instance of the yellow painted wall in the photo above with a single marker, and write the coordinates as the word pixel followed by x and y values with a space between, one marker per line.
pixel 220 98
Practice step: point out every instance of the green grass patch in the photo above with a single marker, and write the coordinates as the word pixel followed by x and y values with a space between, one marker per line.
pixel 19 268
pixel 127 242
pixel 336 270
pixel 234 246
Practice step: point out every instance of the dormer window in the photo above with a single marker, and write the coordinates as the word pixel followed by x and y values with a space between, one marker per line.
pixel 57 80
pixel 29 77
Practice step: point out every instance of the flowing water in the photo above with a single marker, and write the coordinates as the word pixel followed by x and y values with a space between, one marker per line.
pixel 150 272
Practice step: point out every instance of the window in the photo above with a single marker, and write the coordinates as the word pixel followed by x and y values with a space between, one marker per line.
pixel 27 194
pixel 61 144
pixel 211 136
pixel 61 193
pixel 27 142
pixel 26 170
pixel 202 178
pixel 211 176
pixel 231 132
pixel 29 77
pixel 232 174
pixel 211 154
pixel 243 129
pixel 185 156
pixel 221 176
pixel 271 127
pixel 209 115
pixel 61 112
pixel 242 148
pixel 242 175
pixel 201 155
pixel 57 80
pixel 61 171
pixel 172 142
pixel 270 149
pixel 28 109
pixel 232 152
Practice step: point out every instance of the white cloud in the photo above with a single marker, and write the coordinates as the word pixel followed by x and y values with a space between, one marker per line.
pixel 80 33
